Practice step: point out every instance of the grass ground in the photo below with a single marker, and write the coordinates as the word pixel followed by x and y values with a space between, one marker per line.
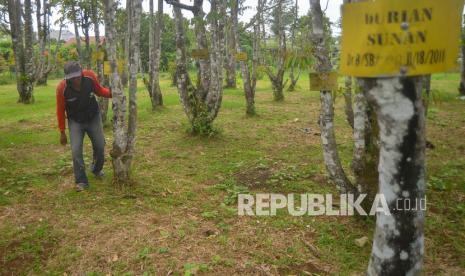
pixel 177 218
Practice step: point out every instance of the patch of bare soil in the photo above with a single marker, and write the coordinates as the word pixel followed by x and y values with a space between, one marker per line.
pixel 20 255
pixel 254 177
pixel 311 267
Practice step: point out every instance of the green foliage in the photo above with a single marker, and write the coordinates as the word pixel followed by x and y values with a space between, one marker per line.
pixel 232 190
pixel 193 268
pixel 168 41
pixel 201 123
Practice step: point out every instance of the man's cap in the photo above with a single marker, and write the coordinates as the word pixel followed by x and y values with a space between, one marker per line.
pixel 72 70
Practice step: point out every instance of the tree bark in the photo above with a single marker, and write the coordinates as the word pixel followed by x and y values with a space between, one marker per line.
pixel 201 103
pixel 103 102
pixel 398 242
pixel 362 118
pixel 232 35
pixel 427 96
pixel 348 101
pixel 277 79
pixel 462 73
pixel 22 48
pixel 76 34
pixel 85 30
pixel 124 140
pixel 366 149
pixel 294 78
pixel 249 79
pixel 323 64
pixel 155 55
pixel 45 65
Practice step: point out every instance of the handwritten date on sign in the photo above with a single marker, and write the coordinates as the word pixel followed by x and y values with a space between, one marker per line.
pixel 392 37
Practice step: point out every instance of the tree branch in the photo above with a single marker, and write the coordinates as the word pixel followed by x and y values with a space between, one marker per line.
pixel 194 9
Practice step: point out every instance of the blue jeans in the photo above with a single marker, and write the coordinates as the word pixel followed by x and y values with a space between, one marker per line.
pixel 94 130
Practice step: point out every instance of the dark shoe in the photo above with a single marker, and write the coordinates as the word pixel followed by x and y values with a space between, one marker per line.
pixel 81 187
pixel 99 175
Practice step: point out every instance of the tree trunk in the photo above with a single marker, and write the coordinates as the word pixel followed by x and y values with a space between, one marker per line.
pixel 348 101
pixel 231 49
pixel 277 79
pixel 366 149
pixel 86 31
pixel 292 76
pixel 124 140
pixel 103 102
pixel 22 49
pixel 41 37
pixel 427 96
pixel 155 55
pixel 45 65
pixel 323 64
pixel 462 75
pixel 249 79
pixel 201 103
pixel 76 34
pixel 398 242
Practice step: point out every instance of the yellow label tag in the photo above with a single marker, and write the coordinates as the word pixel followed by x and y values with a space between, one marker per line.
pixel 241 56
pixel 107 67
pixel 200 53
pixel 121 64
pixel 323 81
pixel 98 55
pixel 390 37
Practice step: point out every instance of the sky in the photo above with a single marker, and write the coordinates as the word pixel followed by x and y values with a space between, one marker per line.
pixel 332 11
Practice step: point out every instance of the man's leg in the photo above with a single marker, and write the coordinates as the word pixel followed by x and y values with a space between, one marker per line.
pixel 76 136
pixel 95 131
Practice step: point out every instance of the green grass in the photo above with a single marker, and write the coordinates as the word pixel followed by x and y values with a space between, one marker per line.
pixel 180 213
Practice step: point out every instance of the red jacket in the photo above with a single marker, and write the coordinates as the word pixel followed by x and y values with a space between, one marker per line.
pixel 98 90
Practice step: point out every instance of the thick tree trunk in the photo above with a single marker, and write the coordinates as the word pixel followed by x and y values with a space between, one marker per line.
pixel 29 49
pixel 86 31
pixel 124 140
pixel 277 79
pixel 42 40
pixel 155 55
pixel 294 78
pixel 22 49
pixel 77 35
pixel 103 102
pixel 366 149
pixel 45 65
pixel 348 101
pixel 134 59
pixel 427 88
pixel 462 75
pixel 231 50
pixel 249 79
pixel 398 243
pixel 203 102
pixel 323 64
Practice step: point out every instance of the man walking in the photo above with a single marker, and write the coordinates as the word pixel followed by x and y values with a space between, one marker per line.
pixel 76 96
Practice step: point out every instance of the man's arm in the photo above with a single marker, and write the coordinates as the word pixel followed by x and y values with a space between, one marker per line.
pixel 98 89
pixel 61 112
pixel 61 106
